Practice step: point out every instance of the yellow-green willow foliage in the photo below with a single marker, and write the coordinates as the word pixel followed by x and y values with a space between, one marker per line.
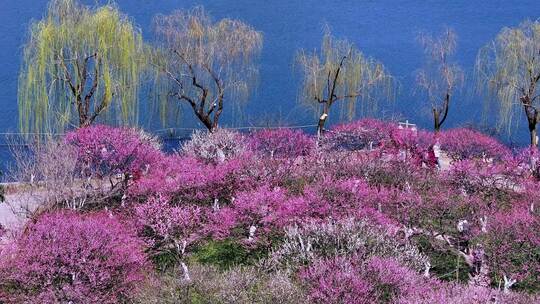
pixel 508 68
pixel 340 72
pixel 79 63
pixel 202 63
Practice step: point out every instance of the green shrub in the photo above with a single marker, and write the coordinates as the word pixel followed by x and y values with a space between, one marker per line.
pixel 445 264
pixel 224 254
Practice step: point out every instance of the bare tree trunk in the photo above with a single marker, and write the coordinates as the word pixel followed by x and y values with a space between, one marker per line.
pixel 219 103
pixel 532 118
pixel 83 115
pixel 534 138
pixel 205 119
pixel 81 109
pixel 322 120
pixel 436 122
pixel 508 282
pixel 331 98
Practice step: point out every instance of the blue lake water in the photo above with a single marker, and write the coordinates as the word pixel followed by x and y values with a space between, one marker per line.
pixel 383 29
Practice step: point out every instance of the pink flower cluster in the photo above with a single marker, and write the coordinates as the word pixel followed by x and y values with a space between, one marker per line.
pixel 281 143
pixel 262 213
pixel 192 181
pixel 358 135
pixel 104 150
pixel 66 257
pixel 470 144
pixel 349 280
pixel 513 244
pixel 479 213
pixel 371 134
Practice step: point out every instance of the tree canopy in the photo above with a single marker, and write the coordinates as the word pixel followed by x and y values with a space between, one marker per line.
pixel 203 64
pixel 439 77
pixel 509 69
pixel 79 63
pixel 339 71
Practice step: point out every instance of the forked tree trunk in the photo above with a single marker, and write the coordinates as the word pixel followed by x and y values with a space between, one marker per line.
pixel 205 120
pixel 437 119
pixel 83 115
pixel 331 98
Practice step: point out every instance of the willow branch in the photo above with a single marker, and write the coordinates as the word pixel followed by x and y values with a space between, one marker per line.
pixel 334 84
pixel 102 106
pixel 68 77
pixel 95 82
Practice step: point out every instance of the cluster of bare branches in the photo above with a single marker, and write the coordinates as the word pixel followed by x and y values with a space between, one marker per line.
pixel 341 72
pixel 203 63
pixel 49 175
pixel 439 78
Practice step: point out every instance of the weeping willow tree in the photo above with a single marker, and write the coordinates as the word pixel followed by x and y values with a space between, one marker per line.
pixel 203 63
pixel 79 63
pixel 340 72
pixel 439 77
pixel 508 68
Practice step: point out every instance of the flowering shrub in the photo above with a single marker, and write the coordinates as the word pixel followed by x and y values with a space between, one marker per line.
pixel 311 241
pixel 336 280
pixel 239 285
pixel 263 213
pixel 174 175
pixel 216 146
pixel 414 146
pixel 345 198
pixel 378 169
pixel 191 181
pixel 69 258
pixel 281 143
pixel 493 182
pixel 377 280
pixel 392 281
pixel 469 144
pixel 463 294
pixel 104 151
pixel 51 173
pixel 170 230
pixel 528 159
pixel 359 135
pixel 512 243
pixel 319 224
pixel 372 134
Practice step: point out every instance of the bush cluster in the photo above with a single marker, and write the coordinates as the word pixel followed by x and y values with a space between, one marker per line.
pixel 66 257
pixel 368 214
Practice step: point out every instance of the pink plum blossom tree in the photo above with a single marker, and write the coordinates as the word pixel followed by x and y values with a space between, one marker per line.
pixel 67 257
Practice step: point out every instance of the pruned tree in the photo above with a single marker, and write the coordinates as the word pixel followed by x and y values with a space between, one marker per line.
pixel 341 72
pixel 439 78
pixel 508 68
pixel 78 64
pixel 203 63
